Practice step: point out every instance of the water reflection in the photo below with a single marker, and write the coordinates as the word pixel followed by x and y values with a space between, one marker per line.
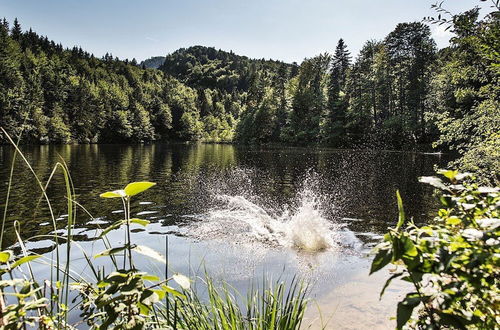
pixel 359 186
pixel 351 200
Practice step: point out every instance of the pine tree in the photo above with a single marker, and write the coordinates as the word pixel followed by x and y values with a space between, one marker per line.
pixel 341 61
pixel 4 25
pixel 16 30
pixel 411 50
pixel 337 102
pixel 11 85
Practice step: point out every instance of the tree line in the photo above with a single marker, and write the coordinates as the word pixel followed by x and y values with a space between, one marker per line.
pixel 49 94
pixel 399 92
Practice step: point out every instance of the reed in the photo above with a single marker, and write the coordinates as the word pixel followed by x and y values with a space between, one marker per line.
pixel 119 295
pixel 273 306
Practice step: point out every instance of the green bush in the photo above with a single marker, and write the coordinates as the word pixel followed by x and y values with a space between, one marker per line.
pixel 453 262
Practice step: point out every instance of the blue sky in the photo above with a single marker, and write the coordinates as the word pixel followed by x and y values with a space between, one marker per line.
pixel 288 30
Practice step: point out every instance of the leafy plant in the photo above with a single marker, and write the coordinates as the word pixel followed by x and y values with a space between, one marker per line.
pixel 453 263
pixel 122 299
pixel 126 194
pixel 29 305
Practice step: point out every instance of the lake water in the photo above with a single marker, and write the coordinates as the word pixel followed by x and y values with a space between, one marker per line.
pixel 238 213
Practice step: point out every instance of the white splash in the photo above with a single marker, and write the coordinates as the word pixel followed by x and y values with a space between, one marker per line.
pixel 238 220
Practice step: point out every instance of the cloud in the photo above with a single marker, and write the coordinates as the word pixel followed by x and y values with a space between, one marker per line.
pixel 152 39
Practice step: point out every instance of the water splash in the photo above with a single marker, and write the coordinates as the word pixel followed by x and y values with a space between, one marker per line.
pixel 304 227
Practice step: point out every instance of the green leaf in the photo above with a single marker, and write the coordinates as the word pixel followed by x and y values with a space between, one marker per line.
pixel 453 221
pixel 172 291
pixel 113 194
pixel 151 278
pixel 135 188
pixel 408 247
pixel 161 294
pixel 149 252
pixel 401 210
pixel 409 252
pixel 405 308
pixel 382 258
pixel 182 280
pixel 403 248
pixel 114 226
pixel 24 260
pixel 110 251
pixel 433 181
pixel 450 174
pixel 5 256
pixel 396 275
pixel 141 222
pixel 143 308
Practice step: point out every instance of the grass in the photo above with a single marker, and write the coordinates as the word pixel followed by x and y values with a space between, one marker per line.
pixel 118 295
pixel 272 306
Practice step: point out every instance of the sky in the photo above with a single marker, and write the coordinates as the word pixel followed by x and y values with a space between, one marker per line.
pixel 288 30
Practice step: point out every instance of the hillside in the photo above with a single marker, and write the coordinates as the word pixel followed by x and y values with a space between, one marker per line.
pixel 396 94
pixel 153 62
pixel 51 94
pixel 207 67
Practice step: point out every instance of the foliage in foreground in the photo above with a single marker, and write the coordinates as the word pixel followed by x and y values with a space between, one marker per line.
pixel 272 307
pixel 18 315
pixel 453 263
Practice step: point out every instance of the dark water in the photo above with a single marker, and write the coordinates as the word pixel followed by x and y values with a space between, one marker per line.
pixel 358 184
pixel 350 187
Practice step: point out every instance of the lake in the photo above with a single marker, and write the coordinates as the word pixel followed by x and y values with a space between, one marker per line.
pixel 238 213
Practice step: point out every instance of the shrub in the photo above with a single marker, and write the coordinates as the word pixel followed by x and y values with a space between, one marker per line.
pixel 453 263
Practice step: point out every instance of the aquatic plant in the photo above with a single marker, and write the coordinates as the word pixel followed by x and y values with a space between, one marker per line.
pixel 123 297
pixel 274 306
pixel 452 263
pixel 26 293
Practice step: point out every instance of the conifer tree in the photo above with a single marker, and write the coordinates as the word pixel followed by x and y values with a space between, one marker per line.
pixel 16 30
pixel 337 101
pixel 4 25
pixel 341 61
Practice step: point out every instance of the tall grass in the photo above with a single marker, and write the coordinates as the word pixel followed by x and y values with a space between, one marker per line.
pixel 274 306
pixel 59 296
pixel 123 297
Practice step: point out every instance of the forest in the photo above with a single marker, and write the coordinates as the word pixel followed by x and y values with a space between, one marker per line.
pixel 397 93
pixel 282 233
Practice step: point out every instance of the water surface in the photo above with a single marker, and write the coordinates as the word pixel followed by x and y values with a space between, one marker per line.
pixel 238 213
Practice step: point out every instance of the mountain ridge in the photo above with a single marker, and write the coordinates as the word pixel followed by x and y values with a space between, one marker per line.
pixel 155 61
